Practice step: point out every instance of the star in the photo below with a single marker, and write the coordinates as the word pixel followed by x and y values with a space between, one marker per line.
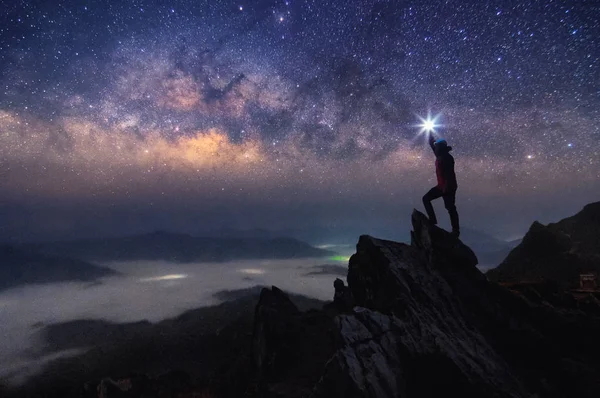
pixel 428 125
pixel 190 96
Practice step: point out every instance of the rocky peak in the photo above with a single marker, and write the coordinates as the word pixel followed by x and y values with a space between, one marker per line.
pixel 555 253
pixel 411 323
pixel 426 322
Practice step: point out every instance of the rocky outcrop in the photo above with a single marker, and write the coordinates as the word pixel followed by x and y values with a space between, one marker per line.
pixel 557 253
pixel 427 323
pixel 409 337
pixel 342 298
pixel 289 346
pixel 415 320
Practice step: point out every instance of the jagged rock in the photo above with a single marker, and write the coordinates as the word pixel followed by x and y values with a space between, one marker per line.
pixel 426 323
pixel 446 248
pixel 274 317
pixel 342 298
pixel 414 325
pixel 289 346
pixel 430 324
pixel 557 253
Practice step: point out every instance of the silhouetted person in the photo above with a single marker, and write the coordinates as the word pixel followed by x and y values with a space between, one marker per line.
pixel 446 183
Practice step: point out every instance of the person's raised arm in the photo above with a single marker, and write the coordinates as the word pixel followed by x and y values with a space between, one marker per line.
pixel 432 142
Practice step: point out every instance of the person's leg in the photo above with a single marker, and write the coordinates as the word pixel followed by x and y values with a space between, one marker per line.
pixel 433 193
pixel 450 204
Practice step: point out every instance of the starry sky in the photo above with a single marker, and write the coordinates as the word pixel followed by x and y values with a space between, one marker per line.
pixel 125 117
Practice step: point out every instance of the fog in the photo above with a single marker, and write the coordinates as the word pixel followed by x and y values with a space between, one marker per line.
pixel 150 290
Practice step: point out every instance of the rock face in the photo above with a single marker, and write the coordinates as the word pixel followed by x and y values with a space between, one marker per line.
pixel 342 298
pixel 426 323
pixel 411 337
pixel 556 253
pixel 289 346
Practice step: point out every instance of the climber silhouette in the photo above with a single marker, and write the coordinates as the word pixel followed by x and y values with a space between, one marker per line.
pixel 446 183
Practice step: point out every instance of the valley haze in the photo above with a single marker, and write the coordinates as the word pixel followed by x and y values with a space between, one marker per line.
pixel 143 290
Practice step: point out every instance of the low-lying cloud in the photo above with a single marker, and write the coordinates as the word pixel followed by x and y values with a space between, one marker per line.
pixel 148 291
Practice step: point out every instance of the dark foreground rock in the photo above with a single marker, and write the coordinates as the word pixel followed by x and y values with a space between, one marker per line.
pixel 289 346
pixel 428 323
pixel 416 320
pixel 205 352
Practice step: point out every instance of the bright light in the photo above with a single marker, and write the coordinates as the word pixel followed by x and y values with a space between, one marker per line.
pixel 428 125
pixel 164 278
pixel 252 271
pixel 339 258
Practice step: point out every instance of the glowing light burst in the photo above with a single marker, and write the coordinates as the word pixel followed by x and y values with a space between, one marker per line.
pixel 428 125
pixel 164 278
pixel 252 271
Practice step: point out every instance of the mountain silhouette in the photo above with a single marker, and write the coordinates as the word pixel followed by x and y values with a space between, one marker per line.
pixel 558 252
pixel 23 266
pixel 167 246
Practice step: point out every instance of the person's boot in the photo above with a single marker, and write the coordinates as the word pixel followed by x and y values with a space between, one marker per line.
pixel 454 222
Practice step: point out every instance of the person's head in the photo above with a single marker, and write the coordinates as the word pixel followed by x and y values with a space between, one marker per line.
pixel 441 147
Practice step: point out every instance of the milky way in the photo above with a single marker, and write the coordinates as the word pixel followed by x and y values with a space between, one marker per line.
pixel 126 116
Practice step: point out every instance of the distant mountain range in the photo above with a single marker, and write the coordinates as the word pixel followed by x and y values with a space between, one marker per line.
pixel 168 246
pixel 490 251
pixel 24 266
pixel 558 252
pixel 314 235
pixel 50 262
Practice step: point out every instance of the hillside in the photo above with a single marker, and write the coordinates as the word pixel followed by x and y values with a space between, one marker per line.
pixel 426 323
pixel 555 253
pixel 23 266
pixel 189 350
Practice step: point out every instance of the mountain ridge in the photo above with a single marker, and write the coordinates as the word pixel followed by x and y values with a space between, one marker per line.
pixel 415 320
pixel 178 247
pixel 426 321
pixel 20 267
pixel 557 253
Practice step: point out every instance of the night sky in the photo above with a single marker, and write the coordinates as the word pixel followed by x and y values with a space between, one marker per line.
pixel 130 116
